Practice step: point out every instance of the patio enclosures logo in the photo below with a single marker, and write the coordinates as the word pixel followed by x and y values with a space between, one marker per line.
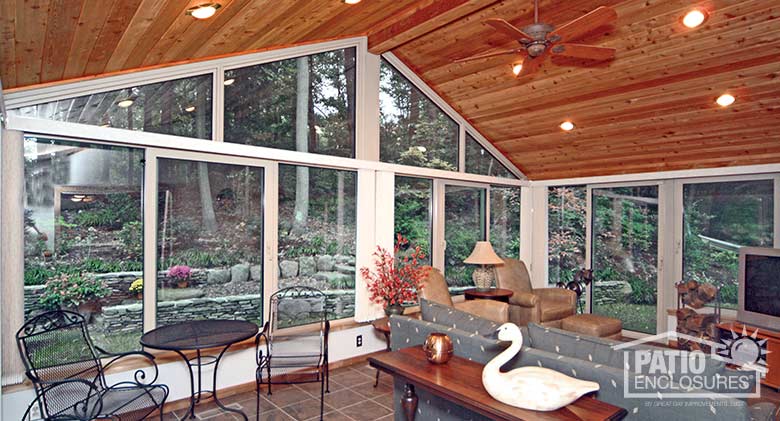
pixel 660 373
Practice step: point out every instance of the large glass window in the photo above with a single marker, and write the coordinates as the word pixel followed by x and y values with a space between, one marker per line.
pixel 566 219
pixel 179 107
pixel 317 218
pixel 625 255
pixel 480 161
pixel 303 104
pixel 209 241
pixel 718 219
pixel 413 130
pixel 464 225
pixel 505 221
pixel 413 212
pixel 83 225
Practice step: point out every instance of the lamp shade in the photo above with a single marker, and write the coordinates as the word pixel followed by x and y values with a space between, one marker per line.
pixel 483 254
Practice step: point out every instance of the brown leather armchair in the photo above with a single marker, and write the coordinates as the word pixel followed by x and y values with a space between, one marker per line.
pixel 435 289
pixel 545 306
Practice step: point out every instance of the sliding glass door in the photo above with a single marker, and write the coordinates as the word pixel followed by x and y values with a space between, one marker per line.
pixel 624 245
pixel 465 223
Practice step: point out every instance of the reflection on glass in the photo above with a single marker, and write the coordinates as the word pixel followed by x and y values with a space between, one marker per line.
pixel 625 255
pixel 566 219
pixel 303 104
pixel 480 161
pixel 83 225
pixel 209 241
pixel 413 212
pixel 413 130
pixel 505 221
pixel 179 107
pixel 464 225
pixel 317 217
pixel 718 219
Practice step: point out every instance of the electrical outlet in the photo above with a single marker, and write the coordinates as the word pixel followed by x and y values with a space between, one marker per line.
pixel 359 341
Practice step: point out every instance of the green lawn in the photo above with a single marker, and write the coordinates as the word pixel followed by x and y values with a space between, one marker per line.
pixel 636 317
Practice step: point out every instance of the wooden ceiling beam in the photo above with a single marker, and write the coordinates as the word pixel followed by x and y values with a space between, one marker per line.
pixel 421 19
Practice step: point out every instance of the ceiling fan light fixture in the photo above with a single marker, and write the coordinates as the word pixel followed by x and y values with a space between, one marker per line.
pixel 725 100
pixel 517 68
pixel 694 18
pixel 351 1
pixel 203 11
pixel 567 126
pixel 228 82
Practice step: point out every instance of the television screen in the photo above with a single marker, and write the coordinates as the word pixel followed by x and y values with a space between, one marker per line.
pixel 762 284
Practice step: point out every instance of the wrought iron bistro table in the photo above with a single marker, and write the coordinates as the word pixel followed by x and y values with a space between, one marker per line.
pixel 199 335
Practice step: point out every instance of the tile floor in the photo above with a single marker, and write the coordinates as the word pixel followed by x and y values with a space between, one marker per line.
pixel 352 397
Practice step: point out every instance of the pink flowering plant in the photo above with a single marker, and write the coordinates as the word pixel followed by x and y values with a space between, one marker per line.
pixel 180 272
pixel 69 291
pixel 394 280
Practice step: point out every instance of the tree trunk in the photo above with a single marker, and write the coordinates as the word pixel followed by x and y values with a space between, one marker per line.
pixel 349 68
pixel 340 211
pixel 204 186
pixel 302 145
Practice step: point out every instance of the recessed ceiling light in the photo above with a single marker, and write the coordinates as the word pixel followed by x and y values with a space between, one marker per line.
pixel 190 109
pixel 694 18
pixel 567 126
pixel 351 1
pixel 125 103
pixel 228 82
pixel 517 68
pixel 725 100
pixel 203 11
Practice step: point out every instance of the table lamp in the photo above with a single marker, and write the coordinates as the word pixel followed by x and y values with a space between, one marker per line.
pixel 483 255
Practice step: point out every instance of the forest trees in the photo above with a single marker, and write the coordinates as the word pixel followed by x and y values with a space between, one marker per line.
pixel 566 232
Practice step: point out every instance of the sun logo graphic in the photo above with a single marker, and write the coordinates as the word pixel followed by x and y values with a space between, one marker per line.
pixel 745 350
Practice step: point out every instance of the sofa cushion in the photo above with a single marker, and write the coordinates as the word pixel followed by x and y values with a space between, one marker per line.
pixel 592 325
pixel 554 311
pixel 456 319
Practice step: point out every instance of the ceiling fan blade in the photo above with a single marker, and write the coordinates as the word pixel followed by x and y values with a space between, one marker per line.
pixel 531 65
pixel 583 51
pixel 519 51
pixel 508 29
pixel 581 26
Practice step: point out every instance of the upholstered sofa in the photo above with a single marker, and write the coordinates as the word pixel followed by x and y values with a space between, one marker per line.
pixel 585 357
pixel 546 306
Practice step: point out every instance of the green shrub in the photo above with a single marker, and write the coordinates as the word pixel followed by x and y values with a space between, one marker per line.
pixel 131 236
pixel 72 290
pixel 641 292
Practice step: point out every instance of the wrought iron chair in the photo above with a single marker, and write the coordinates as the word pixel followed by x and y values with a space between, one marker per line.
pixel 288 351
pixel 66 369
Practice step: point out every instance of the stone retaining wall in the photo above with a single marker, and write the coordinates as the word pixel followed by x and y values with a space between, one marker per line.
pixel 609 292
pixel 129 317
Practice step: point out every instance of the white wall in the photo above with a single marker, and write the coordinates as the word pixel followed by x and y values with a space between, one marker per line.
pixel 236 368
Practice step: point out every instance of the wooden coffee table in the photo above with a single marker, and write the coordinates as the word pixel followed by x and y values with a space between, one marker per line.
pixel 460 381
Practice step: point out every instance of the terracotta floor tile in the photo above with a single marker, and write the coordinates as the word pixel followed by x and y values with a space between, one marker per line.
pixel 343 398
pixel 305 409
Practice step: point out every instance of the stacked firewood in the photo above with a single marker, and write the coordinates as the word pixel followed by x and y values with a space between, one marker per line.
pixel 693 296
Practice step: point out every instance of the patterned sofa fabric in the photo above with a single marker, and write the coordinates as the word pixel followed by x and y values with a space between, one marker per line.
pixel 411 332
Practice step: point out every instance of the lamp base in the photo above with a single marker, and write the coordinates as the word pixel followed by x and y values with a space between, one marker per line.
pixel 483 278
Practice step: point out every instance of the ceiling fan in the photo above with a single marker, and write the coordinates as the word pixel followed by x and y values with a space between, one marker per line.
pixel 540 39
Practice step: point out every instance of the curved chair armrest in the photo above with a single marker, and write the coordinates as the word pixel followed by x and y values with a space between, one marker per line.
pixel 263 334
pixel 560 295
pixel 524 299
pixel 140 375
pixel 487 309
pixel 92 393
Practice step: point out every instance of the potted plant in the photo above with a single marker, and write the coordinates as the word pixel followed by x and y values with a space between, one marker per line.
pixel 75 292
pixel 180 274
pixel 395 281
pixel 137 288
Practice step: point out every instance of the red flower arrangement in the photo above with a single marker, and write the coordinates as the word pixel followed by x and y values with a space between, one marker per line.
pixel 395 280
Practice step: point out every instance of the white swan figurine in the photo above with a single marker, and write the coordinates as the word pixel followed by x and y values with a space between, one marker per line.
pixel 535 388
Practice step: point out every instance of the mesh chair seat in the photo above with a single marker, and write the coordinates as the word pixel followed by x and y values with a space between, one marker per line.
pixel 132 402
pixel 302 361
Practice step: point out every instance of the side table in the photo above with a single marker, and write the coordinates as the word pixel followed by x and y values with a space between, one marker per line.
pixel 496 294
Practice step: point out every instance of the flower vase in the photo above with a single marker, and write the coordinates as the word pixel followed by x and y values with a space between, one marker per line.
pixel 182 284
pixel 392 309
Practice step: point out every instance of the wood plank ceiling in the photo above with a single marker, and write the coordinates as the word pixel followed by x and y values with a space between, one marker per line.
pixel 650 109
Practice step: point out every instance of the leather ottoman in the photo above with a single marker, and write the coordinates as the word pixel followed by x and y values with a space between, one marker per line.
pixel 593 325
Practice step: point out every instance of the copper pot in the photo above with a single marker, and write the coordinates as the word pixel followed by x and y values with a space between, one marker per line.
pixel 438 348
